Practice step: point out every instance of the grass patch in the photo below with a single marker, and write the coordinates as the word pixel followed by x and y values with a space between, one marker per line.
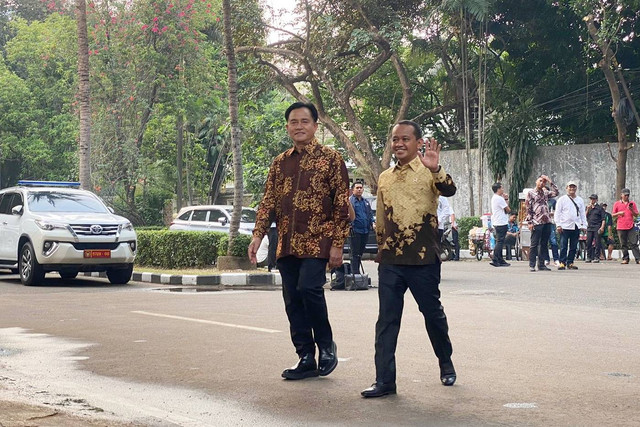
pixel 193 271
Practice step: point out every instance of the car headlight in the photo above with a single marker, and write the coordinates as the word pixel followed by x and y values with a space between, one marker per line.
pixel 127 226
pixel 45 225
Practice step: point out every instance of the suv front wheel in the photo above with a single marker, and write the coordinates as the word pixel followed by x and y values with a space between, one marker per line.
pixel 31 272
pixel 120 276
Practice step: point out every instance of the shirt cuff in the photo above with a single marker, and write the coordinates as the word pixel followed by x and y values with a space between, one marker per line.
pixel 439 175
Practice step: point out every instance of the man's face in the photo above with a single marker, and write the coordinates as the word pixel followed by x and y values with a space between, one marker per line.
pixel 301 127
pixel 593 201
pixel 500 191
pixel 604 207
pixel 625 197
pixel 540 183
pixel 512 218
pixel 404 143
pixel 571 190
pixel 357 190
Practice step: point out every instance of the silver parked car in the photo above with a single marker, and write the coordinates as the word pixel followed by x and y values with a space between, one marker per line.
pixel 218 218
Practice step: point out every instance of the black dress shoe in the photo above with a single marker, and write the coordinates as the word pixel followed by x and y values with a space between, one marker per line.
pixel 378 390
pixel 447 373
pixel 306 368
pixel 504 264
pixel 543 268
pixel 328 360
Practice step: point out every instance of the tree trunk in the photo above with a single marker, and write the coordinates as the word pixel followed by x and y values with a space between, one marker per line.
pixel 179 160
pixel 232 77
pixel 84 97
pixel 607 67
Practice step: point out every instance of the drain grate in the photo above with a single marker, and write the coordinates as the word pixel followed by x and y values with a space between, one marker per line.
pixel 618 374
pixel 190 289
pixel 517 405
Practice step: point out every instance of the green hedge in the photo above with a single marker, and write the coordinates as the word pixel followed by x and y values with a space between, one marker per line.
pixel 241 248
pixel 178 249
pixel 464 225
pixel 185 249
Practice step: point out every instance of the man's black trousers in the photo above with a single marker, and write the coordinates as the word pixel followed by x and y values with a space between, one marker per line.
pixel 302 289
pixel 423 282
pixel 539 244
pixel 358 244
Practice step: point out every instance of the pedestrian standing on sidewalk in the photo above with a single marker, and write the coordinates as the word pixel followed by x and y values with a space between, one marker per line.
pixel 499 220
pixel 607 236
pixel 307 193
pixel 624 212
pixel 570 219
pixel 595 227
pixel 409 252
pixel 360 226
pixel 539 221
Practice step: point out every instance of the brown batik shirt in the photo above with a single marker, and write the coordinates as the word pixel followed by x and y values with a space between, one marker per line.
pixel 307 194
pixel 406 215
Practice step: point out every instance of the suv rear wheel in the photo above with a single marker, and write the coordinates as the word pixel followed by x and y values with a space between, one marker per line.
pixel 120 276
pixel 31 272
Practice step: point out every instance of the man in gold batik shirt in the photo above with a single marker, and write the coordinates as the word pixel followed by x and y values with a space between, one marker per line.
pixel 307 194
pixel 409 252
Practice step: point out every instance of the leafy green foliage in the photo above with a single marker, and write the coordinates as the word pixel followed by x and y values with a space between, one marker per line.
pixel 178 249
pixel 464 225
pixel 240 247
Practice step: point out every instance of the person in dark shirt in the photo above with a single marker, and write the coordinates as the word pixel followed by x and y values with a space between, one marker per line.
pixel 360 226
pixel 307 194
pixel 595 227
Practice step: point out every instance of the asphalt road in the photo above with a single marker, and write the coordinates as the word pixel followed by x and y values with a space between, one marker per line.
pixel 555 348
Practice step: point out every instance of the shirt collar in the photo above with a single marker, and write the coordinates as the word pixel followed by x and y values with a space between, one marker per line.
pixel 414 164
pixel 309 148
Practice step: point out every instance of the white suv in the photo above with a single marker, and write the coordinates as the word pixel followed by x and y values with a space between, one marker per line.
pixel 53 226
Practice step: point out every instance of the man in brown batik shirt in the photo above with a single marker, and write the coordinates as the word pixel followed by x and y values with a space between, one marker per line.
pixel 307 194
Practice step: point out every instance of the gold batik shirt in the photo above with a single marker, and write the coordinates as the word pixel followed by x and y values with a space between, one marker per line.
pixel 307 194
pixel 406 215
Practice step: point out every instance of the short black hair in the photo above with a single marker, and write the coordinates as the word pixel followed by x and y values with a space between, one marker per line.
pixel 296 105
pixel 356 183
pixel 416 127
pixel 495 187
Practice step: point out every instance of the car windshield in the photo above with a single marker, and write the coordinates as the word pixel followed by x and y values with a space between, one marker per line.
pixel 248 215
pixel 51 201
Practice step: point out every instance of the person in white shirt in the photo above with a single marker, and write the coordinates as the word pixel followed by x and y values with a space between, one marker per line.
pixel 446 215
pixel 570 219
pixel 499 220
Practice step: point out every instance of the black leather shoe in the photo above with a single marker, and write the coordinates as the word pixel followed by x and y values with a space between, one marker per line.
pixel 447 374
pixel 306 368
pixel 543 268
pixel 328 360
pixel 378 390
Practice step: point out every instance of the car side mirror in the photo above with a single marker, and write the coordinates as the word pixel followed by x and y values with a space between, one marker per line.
pixel 223 220
pixel 111 209
pixel 17 210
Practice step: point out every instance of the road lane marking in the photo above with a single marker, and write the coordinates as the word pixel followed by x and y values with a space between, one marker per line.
pixel 208 322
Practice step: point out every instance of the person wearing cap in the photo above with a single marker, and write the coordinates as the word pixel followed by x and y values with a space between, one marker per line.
pixel 595 227
pixel 539 221
pixel 607 236
pixel 570 219
pixel 624 212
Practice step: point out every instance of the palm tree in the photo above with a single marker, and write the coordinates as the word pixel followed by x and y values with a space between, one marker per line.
pixel 84 95
pixel 232 77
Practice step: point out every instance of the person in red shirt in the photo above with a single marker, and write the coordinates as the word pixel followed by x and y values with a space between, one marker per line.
pixel 624 212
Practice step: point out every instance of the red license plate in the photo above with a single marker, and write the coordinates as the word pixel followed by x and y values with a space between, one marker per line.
pixel 97 253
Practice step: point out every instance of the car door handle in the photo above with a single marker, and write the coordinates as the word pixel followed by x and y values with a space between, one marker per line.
pixel 4 223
